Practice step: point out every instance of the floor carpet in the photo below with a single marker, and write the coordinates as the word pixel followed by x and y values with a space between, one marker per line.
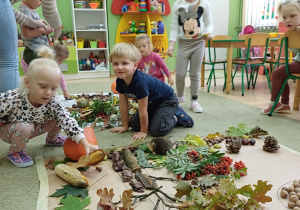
pixel 20 187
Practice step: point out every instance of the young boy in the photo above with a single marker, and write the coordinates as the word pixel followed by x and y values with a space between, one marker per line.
pixel 158 110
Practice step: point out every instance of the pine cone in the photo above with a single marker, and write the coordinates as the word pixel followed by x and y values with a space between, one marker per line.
pixel 271 144
pixel 234 146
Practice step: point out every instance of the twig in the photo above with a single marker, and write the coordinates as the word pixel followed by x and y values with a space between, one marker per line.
pixel 97 181
pixel 169 197
pixel 167 205
pixel 143 196
pixel 164 178
pixel 156 205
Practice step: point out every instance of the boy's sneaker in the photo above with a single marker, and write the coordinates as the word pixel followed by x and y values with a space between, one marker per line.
pixel 196 107
pixel 183 119
pixel 284 108
pixel 20 159
pixel 267 110
pixel 181 99
pixel 59 141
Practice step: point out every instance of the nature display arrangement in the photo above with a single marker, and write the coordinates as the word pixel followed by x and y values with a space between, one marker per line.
pixel 205 176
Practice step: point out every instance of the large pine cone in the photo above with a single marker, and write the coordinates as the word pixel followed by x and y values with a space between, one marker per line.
pixel 271 144
pixel 234 146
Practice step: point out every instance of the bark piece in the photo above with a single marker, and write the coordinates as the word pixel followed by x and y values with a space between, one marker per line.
pixel 130 160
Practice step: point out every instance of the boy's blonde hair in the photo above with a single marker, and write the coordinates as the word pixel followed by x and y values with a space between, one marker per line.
pixel 295 3
pixel 40 65
pixel 125 50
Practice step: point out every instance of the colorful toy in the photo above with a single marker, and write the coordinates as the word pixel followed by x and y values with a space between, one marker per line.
pixel 132 6
pixel 133 28
pixel 142 27
pixel 153 25
pixel 143 6
pixel 155 6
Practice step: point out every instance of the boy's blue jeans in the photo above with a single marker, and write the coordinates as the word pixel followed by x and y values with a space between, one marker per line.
pixel 9 58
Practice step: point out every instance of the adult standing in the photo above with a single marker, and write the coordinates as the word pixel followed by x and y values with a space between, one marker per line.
pixel 9 58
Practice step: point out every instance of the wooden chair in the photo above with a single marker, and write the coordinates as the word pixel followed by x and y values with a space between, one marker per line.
pixel 253 40
pixel 274 62
pixel 291 40
pixel 212 60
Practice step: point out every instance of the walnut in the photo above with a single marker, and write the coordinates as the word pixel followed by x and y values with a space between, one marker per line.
pixel 98 168
pixel 292 193
pixel 297 189
pixel 296 183
pixel 294 198
pixel 284 193
pixel 297 203
pixel 298 194
pixel 291 204
pixel 296 208
pixel 285 188
pixel 291 189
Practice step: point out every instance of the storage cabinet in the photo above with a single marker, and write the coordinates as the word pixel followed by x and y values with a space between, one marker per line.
pixel 91 24
pixel 159 40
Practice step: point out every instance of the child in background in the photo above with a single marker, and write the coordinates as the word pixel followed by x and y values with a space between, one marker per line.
pixel 33 38
pixel 289 11
pixel 191 26
pixel 151 63
pixel 61 53
pixel 32 110
pixel 158 110
pixel 249 29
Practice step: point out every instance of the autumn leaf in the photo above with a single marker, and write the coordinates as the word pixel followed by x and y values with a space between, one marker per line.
pixel 246 191
pixel 182 189
pixel 73 203
pixel 260 191
pixel 126 200
pixel 69 190
pixel 106 198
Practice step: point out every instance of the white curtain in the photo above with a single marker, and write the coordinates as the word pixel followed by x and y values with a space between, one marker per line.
pixel 261 12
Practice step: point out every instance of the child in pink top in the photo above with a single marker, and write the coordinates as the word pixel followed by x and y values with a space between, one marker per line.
pixel 151 63
pixel 61 54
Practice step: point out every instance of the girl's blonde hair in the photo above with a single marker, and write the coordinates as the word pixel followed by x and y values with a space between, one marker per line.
pixel 61 50
pixel 295 3
pixel 40 65
pixel 143 37
pixel 125 50
pixel 57 50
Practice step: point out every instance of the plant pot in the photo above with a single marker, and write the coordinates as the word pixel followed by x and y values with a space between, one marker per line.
pixel 94 5
pixel 101 44
pixel 80 44
pixel 93 44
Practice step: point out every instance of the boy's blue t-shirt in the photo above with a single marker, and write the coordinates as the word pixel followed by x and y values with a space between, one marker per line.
pixel 143 85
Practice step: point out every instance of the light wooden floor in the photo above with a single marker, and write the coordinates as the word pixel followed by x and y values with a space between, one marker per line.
pixel 258 97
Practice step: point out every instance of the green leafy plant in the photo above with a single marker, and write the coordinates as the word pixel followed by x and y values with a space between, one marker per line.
pixel 240 131
pixel 69 190
pixel 226 196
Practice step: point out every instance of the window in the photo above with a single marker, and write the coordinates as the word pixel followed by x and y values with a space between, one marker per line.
pixel 261 12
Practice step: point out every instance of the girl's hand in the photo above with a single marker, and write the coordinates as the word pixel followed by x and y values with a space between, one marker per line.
pixel 139 135
pixel 89 148
pixel 66 94
pixel 170 80
pixel 119 130
pixel 298 29
pixel 206 36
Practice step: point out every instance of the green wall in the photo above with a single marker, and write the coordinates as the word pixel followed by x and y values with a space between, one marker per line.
pixel 64 8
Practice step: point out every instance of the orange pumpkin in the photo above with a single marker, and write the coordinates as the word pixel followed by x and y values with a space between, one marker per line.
pixel 73 150
pixel 113 87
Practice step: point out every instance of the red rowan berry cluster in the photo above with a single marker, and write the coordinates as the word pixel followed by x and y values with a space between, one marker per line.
pixel 239 165
pixel 188 176
pixel 222 168
pixel 194 155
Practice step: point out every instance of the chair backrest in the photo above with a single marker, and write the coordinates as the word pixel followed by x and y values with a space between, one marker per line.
pixel 291 39
pixel 281 43
pixel 257 40
pixel 211 44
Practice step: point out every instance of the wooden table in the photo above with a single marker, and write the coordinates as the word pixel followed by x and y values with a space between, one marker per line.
pixel 230 44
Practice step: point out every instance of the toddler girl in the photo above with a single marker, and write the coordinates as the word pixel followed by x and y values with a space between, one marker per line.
pixel 191 26
pixel 290 12
pixel 151 63
pixel 32 110
pixel 61 53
